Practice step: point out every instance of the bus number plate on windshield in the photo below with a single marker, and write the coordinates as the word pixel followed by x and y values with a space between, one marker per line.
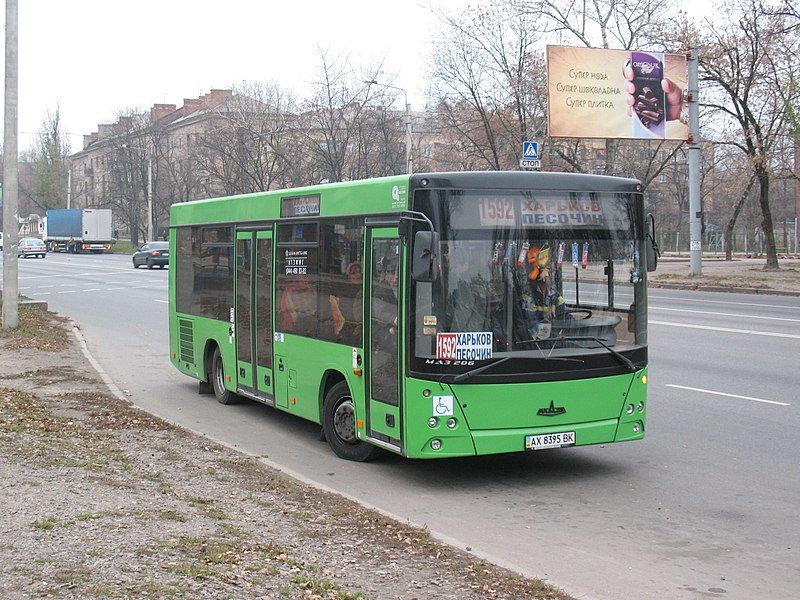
pixel 497 212
pixel 550 440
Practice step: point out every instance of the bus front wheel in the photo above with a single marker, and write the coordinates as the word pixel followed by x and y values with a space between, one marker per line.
pixel 217 377
pixel 339 424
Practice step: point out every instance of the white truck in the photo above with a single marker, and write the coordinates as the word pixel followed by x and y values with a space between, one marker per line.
pixel 78 230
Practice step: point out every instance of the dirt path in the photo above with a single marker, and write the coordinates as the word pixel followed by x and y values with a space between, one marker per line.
pixel 102 500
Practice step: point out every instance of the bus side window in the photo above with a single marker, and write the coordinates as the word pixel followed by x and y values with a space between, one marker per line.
pixel 297 279
pixel 340 292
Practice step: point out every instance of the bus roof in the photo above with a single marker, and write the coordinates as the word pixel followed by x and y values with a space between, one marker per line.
pixel 384 194
pixel 536 180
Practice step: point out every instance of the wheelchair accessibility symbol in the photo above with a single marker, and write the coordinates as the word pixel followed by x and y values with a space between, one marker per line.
pixel 442 406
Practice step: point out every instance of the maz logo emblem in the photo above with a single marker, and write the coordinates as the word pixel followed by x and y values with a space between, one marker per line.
pixel 551 411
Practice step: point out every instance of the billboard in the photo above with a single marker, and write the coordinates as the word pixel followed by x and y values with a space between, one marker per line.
pixel 598 93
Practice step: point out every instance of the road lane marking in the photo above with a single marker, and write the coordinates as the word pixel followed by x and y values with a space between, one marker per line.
pixel 40 294
pixel 164 301
pixel 52 276
pixel 692 389
pixel 722 314
pixel 111 289
pixel 725 329
pixel 67 292
pixel 91 290
pixel 77 265
pixel 705 301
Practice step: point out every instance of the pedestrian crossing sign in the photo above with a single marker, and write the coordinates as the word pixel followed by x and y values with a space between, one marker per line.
pixel 530 150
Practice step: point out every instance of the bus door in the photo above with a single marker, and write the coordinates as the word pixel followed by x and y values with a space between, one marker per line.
pixel 253 314
pixel 243 311
pixel 262 316
pixel 383 318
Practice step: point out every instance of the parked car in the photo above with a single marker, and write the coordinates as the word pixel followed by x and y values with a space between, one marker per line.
pixel 31 247
pixel 152 254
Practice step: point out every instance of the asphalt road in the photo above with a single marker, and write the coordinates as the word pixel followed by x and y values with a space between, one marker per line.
pixel 707 506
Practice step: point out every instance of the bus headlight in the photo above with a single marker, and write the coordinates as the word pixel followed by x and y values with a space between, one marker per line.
pixel 637 427
pixel 640 406
pixel 451 423
pixel 433 422
pixel 629 409
pixel 436 444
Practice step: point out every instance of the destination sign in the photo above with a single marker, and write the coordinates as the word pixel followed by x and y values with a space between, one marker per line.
pixel 300 206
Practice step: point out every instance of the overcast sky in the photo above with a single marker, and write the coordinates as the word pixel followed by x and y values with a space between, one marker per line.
pixel 93 58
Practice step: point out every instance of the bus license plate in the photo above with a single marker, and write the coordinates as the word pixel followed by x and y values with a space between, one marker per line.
pixel 550 440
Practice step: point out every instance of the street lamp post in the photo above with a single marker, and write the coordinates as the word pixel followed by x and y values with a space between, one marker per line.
pixel 409 165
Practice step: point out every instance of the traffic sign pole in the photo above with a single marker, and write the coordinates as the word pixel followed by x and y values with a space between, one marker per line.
pixel 530 155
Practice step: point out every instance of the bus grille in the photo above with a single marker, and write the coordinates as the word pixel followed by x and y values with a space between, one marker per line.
pixel 186 340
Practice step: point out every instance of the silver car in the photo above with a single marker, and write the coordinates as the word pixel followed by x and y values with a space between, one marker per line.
pixel 31 247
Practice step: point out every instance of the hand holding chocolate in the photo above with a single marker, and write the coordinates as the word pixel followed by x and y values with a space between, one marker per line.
pixel 644 99
pixel 648 107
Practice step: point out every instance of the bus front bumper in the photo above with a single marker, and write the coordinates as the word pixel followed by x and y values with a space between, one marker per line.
pixel 501 441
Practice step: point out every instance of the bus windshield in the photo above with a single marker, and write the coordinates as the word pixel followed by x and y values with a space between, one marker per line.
pixel 549 281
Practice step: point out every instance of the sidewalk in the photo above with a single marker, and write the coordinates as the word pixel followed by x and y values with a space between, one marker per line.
pixel 744 275
pixel 102 500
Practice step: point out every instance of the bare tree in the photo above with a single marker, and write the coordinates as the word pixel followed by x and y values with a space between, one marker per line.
pixel 347 130
pixel 48 158
pixel 377 147
pixel 333 111
pixel 130 151
pixel 747 57
pixel 488 81
pixel 248 146
pixel 626 24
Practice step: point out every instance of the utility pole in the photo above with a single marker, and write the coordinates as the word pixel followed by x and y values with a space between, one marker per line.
pixel 149 199
pixel 69 187
pixel 695 199
pixel 10 187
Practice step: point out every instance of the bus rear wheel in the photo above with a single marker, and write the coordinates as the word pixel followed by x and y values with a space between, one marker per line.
pixel 217 377
pixel 339 425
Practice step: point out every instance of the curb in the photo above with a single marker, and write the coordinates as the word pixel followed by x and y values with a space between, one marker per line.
pixel 438 535
pixel 716 288
pixel 25 301
pixel 40 304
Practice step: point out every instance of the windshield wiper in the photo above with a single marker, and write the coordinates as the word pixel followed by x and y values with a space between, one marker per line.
pixel 547 356
pixel 588 338
pixel 481 369
pixel 466 375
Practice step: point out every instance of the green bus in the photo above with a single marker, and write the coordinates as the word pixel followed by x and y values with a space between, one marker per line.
pixel 429 315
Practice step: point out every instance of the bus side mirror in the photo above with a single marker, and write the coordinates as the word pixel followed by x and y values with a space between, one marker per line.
pixel 425 263
pixel 651 247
